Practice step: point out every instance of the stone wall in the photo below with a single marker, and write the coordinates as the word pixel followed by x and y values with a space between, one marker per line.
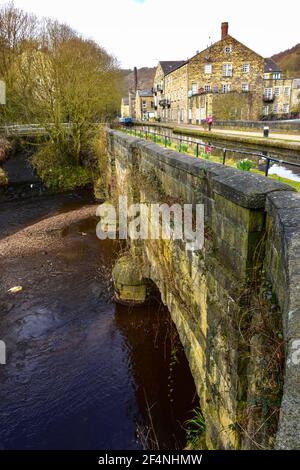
pixel 216 56
pixel 214 294
pixel 176 92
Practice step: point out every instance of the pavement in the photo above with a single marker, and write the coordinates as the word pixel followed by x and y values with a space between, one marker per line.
pixel 250 133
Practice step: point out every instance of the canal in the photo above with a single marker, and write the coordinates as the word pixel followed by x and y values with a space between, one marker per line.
pixel 81 371
pixel 283 170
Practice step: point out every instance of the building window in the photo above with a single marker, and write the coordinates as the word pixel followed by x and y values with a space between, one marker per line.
pixel 245 87
pixel 276 76
pixel 227 70
pixel 275 108
pixel 287 91
pixel 226 87
pixel 268 93
pixel 207 88
pixel 277 91
pixel 208 69
pixel 246 68
pixel 266 110
pixel 228 49
pixel 266 76
pixel 194 88
pixel 286 108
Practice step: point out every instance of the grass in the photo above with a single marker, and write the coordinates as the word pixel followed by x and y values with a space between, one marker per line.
pixel 195 430
pixel 241 165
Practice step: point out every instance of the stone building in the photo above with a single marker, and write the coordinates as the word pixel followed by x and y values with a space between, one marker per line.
pixel 175 102
pixel 226 81
pixel 295 96
pixel 125 107
pixel 144 105
pixel 277 90
pixel 131 101
pixel 160 103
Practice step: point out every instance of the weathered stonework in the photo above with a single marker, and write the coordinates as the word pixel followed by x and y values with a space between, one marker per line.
pixel 213 102
pixel 176 92
pixel 209 291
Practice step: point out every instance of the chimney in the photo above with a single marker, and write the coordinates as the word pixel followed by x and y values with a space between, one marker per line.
pixel 135 79
pixel 224 30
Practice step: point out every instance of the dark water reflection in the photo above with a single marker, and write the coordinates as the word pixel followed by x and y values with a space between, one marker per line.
pixel 81 372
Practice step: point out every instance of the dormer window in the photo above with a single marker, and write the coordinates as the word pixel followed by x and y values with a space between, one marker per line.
pixel 228 49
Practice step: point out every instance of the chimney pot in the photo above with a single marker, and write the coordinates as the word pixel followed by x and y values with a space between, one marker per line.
pixel 224 30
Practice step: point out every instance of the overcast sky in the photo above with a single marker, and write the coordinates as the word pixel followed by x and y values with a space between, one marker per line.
pixel 141 32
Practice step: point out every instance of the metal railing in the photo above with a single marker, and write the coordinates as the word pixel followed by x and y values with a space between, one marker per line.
pixel 208 147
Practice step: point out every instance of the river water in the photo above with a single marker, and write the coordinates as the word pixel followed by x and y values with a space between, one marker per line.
pixel 81 371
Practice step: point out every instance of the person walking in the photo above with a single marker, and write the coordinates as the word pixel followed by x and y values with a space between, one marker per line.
pixel 209 122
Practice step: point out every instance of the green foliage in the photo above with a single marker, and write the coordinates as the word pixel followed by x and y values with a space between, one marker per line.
pixel 195 428
pixel 59 175
pixel 184 148
pixel 3 178
pixel 244 164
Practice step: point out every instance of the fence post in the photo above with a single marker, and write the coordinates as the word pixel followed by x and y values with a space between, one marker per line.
pixel 197 150
pixel 267 167
pixel 180 144
pixel 155 135
pixel 165 141
pixel 146 134
pixel 224 156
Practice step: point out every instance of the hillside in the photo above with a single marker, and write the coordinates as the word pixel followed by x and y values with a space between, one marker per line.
pixel 289 60
pixel 145 79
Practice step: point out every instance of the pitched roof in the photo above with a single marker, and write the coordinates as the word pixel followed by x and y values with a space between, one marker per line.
pixel 271 66
pixel 145 93
pixel 170 65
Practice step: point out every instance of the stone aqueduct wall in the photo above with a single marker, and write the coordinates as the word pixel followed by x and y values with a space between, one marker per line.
pixel 209 292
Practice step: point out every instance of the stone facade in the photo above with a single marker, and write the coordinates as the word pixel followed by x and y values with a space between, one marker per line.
pixel 158 87
pixel 277 96
pixel 228 81
pixel 226 68
pixel 295 96
pixel 144 105
pixel 125 107
pixel 247 218
pixel 162 104
pixel 176 96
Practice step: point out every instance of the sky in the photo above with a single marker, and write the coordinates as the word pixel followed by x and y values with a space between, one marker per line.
pixel 142 32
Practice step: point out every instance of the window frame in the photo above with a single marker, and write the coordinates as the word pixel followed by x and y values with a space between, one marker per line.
pixel 227 70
